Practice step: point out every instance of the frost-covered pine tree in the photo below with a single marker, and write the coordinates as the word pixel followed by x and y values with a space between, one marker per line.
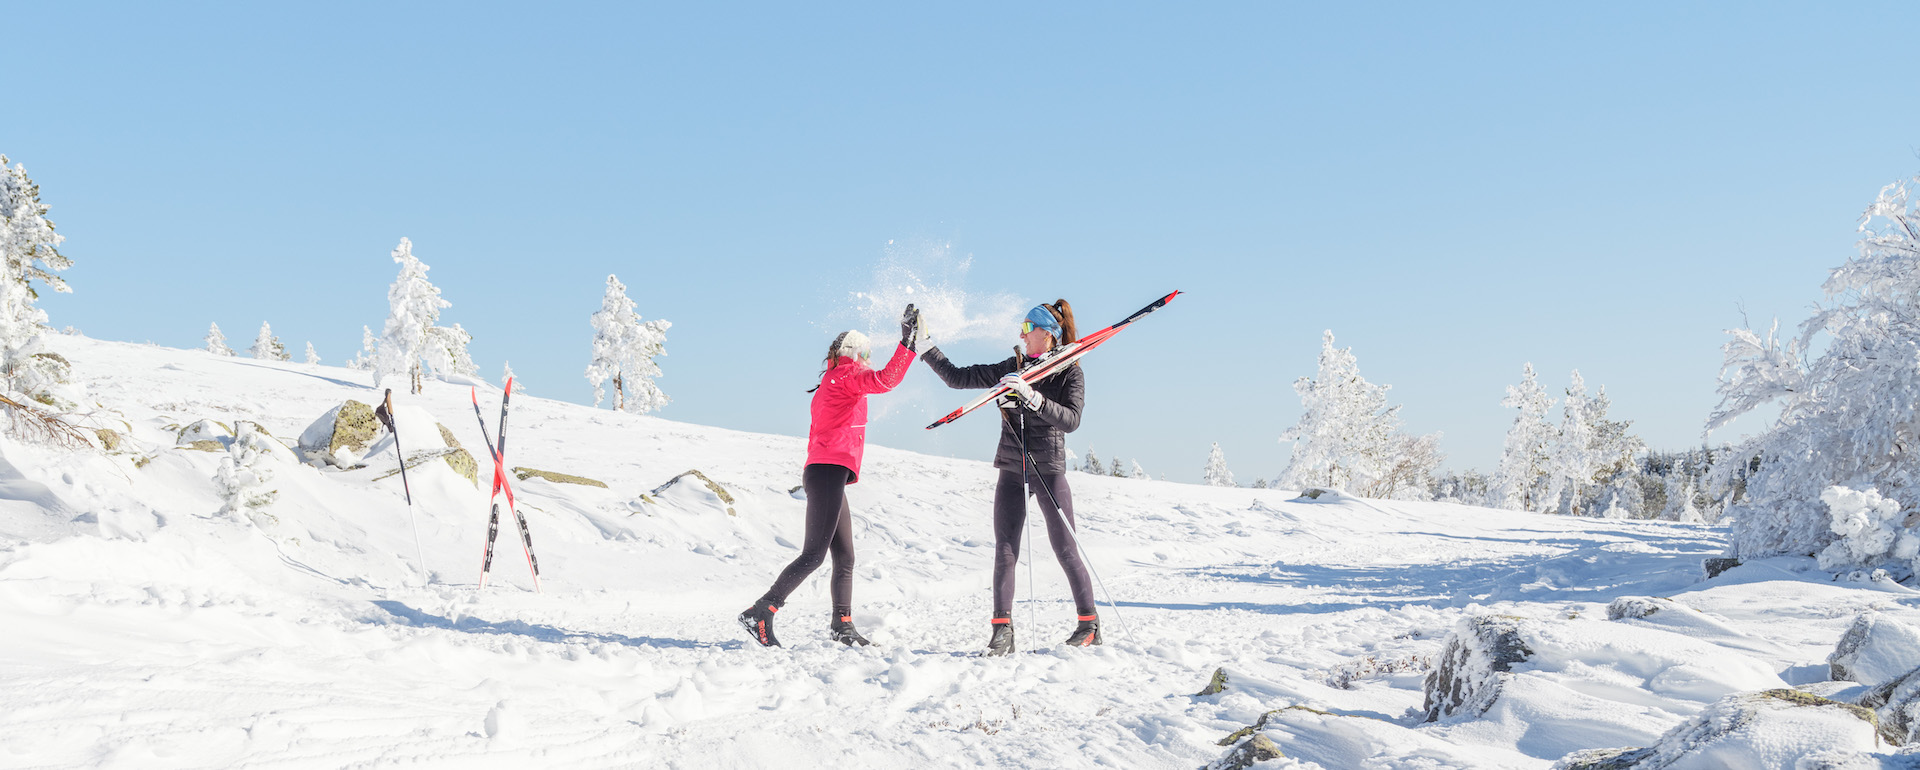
pixel 1847 417
pixel 1348 436
pixel 1139 473
pixel 369 351
pixel 507 375
pixel 313 358
pixel 1680 506
pixel 413 306
pixel 1614 449
pixel 1093 465
pixel 1520 482
pixel 1216 473
pixel 446 351
pixel 267 347
pixel 29 251
pixel 623 351
pixel 217 342
pixel 1115 470
pixel 1573 461
pixel 243 475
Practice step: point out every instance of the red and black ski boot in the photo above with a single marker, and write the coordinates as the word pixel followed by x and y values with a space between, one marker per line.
pixel 758 621
pixel 843 632
pixel 1002 641
pixel 1087 633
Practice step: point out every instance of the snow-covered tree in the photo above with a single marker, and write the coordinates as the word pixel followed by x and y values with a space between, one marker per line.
pixel 217 342
pixel 243 476
pixel 446 351
pixel 623 351
pixel 1614 449
pixel 369 351
pixel 1348 436
pixel 1411 462
pixel 1573 462
pixel 312 357
pixel 1520 482
pixel 413 306
pixel 1620 498
pixel 267 347
pixel 1259 483
pixel 506 376
pixel 1139 473
pixel 1849 417
pixel 1680 505
pixel 1093 465
pixel 29 251
pixel 1115 470
pixel 1216 472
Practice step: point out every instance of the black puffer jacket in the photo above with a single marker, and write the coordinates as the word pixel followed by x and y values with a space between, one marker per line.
pixel 1065 395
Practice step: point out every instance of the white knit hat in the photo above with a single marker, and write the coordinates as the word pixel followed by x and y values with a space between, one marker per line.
pixel 855 345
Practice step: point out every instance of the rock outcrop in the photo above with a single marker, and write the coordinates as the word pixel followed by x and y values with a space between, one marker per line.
pixel 1467 677
pixel 1767 729
pixel 1875 650
pixel 341 436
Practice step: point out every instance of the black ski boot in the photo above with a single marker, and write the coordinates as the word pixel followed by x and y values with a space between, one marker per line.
pixel 758 621
pixel 842 630
pixel 1087 633
pixel 1002 641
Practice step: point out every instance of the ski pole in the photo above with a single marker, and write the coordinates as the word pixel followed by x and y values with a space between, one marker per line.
pixel 385 413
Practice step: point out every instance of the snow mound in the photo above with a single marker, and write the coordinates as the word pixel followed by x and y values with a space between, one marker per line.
pixel 1875 650
pixel 1768 730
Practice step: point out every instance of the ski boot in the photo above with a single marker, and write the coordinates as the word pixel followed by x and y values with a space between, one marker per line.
pixel 1002 641
pixel 758 621
pixel 1087 633
pixel 843 632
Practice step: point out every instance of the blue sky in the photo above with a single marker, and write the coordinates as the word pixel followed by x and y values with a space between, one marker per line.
pixel 1454 191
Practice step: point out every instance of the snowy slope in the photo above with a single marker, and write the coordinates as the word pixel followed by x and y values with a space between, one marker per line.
pixel 147 629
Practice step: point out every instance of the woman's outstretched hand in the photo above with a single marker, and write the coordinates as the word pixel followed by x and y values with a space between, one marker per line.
pixel 910 329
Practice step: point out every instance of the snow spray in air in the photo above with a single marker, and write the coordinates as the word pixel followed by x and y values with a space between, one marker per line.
pixel 929 275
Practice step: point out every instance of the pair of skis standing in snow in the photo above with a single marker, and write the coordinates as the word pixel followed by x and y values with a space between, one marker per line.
pixel 1040 390
pixel 384 413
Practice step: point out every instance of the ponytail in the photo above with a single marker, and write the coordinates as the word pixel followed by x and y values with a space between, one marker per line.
pixel 833 354
pixel 1063 313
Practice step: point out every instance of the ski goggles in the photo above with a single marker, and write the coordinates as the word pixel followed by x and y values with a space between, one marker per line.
pixel 1039 318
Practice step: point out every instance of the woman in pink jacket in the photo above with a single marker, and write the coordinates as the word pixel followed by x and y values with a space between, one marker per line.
pixel 835 443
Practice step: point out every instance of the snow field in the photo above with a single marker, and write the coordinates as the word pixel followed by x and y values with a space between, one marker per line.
pixel 152 630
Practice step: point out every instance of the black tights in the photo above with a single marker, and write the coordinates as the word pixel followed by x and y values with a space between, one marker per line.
pixel 1009 521
pixel 829 527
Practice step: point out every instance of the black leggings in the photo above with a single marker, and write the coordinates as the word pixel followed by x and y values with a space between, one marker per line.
pixel 1009 521
pixel 829 526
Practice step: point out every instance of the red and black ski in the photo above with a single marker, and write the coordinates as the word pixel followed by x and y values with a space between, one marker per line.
pixel 501 485
pixel 1056 361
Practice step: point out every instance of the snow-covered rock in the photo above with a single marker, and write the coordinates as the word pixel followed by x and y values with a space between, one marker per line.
pixel 340 437
pixel 203 430
pixel 1767 730
pixel 1636 607
pixel 1467 678
pixel 1875 650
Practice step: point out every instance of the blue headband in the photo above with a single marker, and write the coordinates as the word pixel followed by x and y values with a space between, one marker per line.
pixel 1041 318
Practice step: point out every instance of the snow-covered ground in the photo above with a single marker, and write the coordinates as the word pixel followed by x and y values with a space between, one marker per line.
pixel 145 628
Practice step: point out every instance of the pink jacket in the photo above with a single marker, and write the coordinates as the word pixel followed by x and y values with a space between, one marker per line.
pixel 839 431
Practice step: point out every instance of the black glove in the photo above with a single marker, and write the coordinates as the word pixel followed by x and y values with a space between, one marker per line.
pixel 910 329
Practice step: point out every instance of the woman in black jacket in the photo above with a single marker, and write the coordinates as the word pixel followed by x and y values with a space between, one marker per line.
pixel 1049 410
